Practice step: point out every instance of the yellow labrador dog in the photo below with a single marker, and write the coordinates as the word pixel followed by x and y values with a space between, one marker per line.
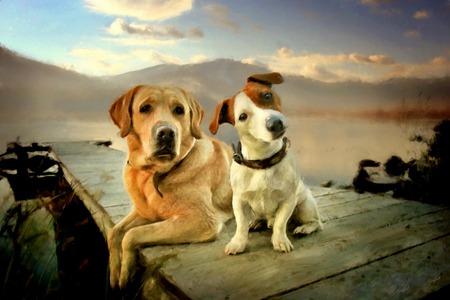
pixel 264 175
pixel 177 178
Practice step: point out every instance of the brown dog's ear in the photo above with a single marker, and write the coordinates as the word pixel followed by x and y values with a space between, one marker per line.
pixel 224 114
pixel 120 111
pixel 266 79
pixel 196 115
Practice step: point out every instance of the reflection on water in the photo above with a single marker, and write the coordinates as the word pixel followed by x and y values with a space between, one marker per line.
pixel 327 148
pixel 332 148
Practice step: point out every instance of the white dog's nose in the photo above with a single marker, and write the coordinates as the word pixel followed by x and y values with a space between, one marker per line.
pixel 276 126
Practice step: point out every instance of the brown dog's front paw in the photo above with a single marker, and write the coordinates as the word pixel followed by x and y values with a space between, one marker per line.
pixel 114 271
pixel 124 280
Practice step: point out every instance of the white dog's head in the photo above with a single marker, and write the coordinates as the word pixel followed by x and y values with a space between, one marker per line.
pixel 255 112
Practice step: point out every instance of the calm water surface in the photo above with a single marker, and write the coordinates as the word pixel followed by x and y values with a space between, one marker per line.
pixel 327 148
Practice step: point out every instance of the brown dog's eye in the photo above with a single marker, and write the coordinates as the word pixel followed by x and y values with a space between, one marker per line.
pixel 178 110
pixel 146 108
pixel 243 117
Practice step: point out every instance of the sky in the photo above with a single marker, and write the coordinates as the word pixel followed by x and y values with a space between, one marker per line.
pixel 327 40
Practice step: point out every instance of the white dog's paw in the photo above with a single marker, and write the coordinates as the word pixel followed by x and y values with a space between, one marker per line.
pixel 308 228
pixel 282 244
pixel 270 222
pixel 235 246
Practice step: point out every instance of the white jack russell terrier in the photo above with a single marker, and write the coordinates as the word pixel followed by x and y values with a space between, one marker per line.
pixel 265 179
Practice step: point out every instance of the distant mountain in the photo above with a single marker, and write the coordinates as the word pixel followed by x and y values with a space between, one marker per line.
pixel 209 82
pixel 213 81
pixel 33 89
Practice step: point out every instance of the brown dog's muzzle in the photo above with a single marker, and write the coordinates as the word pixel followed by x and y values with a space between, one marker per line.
pixel 165 138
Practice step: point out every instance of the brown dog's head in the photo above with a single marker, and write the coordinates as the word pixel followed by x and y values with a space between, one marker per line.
pixel 255 110
pixel 160 124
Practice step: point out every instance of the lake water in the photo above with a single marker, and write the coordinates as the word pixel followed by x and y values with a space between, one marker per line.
pixel 327 148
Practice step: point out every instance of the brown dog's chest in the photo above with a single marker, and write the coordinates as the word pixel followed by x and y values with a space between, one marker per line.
pixel 147 201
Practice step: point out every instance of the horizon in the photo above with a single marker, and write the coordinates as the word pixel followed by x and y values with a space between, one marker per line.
pixel 329 41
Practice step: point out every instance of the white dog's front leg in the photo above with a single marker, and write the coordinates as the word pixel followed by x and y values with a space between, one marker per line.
pixel 306 213
pixel 280 240
pixel 240 239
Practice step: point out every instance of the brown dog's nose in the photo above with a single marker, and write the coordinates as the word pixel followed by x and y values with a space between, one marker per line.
pixel 165 137
pixel 165 134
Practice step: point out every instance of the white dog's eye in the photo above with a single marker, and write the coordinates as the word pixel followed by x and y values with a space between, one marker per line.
pixel 178 110
pixel 268 97
pixel 146 108
pixel 243 117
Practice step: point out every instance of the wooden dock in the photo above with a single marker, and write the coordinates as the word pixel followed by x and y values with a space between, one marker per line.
pixel 372 246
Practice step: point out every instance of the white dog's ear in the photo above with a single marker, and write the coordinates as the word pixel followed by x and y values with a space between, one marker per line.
pixel 266 79
pixel 120 111
pixel 224 114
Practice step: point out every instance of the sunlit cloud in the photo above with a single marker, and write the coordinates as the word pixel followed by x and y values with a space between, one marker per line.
pixel 371 59
pixel 254 61
pixel 155 57
pixel 144 10
pixel 98 61
pixel 381 6
pixel 219 15
pixel 326 67
pixel 121 27
pixel 437 67
pixel 102 62
pixel 199 58
pixel 422 15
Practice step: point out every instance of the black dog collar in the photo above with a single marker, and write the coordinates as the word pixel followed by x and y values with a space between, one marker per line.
pixel 260 163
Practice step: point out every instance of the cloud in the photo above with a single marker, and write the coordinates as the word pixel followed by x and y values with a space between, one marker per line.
pixel 98 61
pixel 148 10
pixel 199 58
pixel 383 7
pixel 195 33
pixel 120 27
pixel 219 15
pixel 326 67
pixel 284 52
pixel 320 72
pixel 254 61
pixel 376 59
pixel 422 15
pixel 436 67
pixel 412 34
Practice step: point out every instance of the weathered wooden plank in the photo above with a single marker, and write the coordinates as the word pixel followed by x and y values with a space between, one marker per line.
pixel 95 174
pixel 338 196
pixel 204 271
pixel 355 206
pixel 411 274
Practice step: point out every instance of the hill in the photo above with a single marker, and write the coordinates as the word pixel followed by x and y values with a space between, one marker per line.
pixel 35 90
